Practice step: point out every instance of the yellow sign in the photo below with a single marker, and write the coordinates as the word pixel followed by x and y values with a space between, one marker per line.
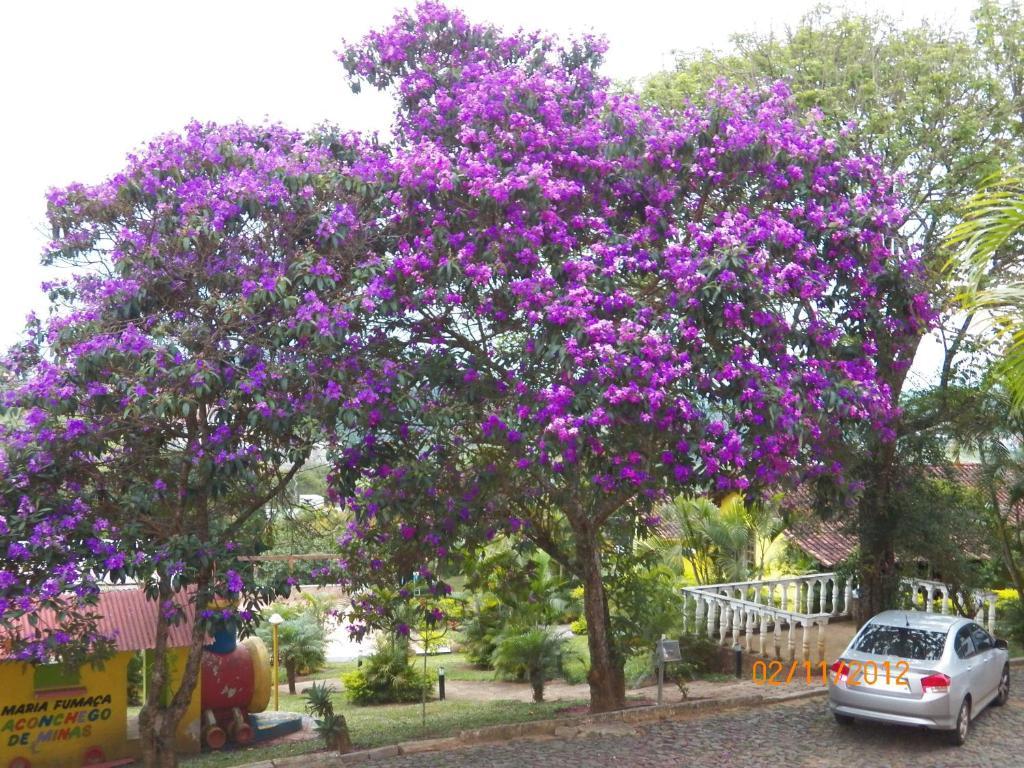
pixel 37 723
pixel 59 728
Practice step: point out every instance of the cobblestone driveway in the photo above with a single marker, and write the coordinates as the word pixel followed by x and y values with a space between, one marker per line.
pixel 800 734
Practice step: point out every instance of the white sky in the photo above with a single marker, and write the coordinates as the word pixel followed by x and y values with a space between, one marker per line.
pixel 83 83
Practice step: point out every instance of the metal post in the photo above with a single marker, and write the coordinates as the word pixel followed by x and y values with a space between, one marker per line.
pixel 661 676
pixel 737 650
pixel 440 683
pixel 275 620
pixel 277 683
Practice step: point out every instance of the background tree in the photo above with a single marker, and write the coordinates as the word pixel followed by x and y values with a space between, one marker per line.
pixel 721 542
pixel 603 304
pixel 301 646
pixel 989 245
pixel 943 109
pixel 176 388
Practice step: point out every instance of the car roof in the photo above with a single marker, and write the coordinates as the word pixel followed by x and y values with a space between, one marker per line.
pixel 917 620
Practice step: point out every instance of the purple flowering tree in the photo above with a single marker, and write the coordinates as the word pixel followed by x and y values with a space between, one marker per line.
pixel 602 305
pixel 179 383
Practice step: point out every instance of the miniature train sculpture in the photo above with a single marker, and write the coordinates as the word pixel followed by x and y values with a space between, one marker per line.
pixel 235 686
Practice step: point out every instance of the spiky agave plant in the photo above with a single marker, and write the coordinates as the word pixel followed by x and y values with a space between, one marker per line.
pixel 332 727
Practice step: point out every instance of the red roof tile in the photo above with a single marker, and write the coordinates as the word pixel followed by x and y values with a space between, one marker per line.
pixel 129 617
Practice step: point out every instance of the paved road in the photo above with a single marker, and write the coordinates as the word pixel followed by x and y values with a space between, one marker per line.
pixel 800 734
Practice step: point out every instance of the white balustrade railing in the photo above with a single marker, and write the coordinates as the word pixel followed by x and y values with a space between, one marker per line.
pixel 935 597
pixel 769 606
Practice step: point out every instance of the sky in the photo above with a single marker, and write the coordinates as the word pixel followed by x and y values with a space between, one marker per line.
pixel 84 83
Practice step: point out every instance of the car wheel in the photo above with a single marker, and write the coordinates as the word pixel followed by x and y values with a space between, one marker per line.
pixel 842 719
pixel 1004 687
pixel 958 735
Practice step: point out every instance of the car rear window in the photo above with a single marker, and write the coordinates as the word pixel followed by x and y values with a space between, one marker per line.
pixel 905 642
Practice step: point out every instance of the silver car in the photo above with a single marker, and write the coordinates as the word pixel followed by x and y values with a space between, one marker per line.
pixel 922 669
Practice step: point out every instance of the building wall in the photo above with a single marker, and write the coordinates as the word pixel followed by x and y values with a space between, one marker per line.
pixel 54 719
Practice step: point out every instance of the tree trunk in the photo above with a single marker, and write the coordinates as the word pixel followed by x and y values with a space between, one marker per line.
pixel 607 667
pixel 291 669
pixel 879 575
pixel 537 681
pixel 159 718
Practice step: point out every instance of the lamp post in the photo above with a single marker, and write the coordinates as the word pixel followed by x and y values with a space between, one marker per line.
pixel 275 620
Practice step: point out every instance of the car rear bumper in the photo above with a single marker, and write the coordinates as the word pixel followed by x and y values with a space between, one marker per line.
pixel 931 712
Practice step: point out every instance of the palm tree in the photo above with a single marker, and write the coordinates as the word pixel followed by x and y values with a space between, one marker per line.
pixel 535 654
pixel 722 542
pixel 989 253
pixel 301 647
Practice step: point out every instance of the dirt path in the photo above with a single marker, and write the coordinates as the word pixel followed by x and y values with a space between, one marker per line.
pixel 558 690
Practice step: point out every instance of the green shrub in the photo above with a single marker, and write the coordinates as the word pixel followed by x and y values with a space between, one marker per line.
pixel 387 677
pixel 480 634
pixel 1010 613
pixel 579 627
pixel 700 654
pixel 574 668
pixel 639 670
pixel 135 680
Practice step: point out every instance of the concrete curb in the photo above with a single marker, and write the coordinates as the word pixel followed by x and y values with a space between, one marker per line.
pixel 563 727
pixel 1017 662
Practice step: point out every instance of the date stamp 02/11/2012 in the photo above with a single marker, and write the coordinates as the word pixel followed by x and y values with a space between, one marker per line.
pixel 853 673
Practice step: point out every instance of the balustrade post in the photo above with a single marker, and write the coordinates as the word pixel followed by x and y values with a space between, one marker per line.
pixel 847 596
pixel 834 581
pixel 810 596
pixel 945 601
pixel 991 624
pixel 725 616
pixel 712 611
pixel 785 596
pixel 806 645
pixel 751 619
pixel 761 634
pixel 821 641
pixel 777 635
pixel 737 624
pixel 698 615
pixel 791 641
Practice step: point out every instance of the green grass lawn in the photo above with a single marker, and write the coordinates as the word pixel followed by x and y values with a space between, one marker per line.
pixel 390 724
pixel 456 667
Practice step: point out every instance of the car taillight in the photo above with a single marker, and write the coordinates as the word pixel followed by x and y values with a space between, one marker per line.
pixel 939 683
pixel 840 669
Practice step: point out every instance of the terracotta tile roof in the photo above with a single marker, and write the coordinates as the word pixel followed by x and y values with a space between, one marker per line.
pixel 824 540
pixel 127 616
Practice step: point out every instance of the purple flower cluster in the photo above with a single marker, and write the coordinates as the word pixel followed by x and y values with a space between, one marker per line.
pixel 616 302
pixel 541 294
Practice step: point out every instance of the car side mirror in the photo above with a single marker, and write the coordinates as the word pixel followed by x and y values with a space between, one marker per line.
pixel 1000 643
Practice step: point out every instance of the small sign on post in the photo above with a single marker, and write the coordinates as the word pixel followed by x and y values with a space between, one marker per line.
pixel 667 650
